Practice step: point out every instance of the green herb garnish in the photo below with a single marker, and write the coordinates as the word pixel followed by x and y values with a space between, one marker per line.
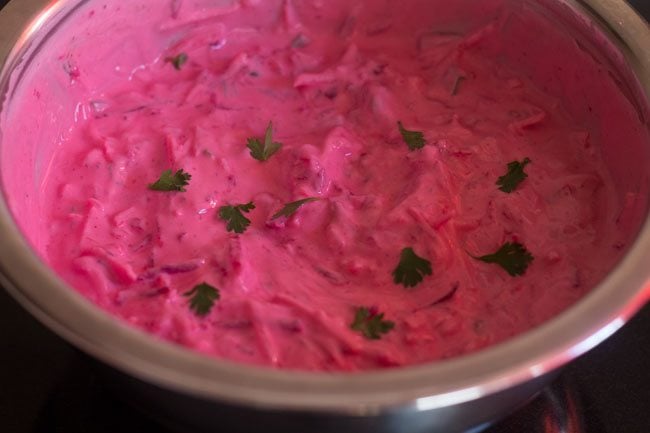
pixel 170 181
pixel 370 324
pixel 515 175
pixel 178 61
pixel 414 139
pixel 512 256
pixel 234 216
pixel 411 268
pixel 263 152
pixel 291 208
pixel 202 298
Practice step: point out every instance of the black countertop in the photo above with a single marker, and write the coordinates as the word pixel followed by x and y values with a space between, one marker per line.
pixel 46 386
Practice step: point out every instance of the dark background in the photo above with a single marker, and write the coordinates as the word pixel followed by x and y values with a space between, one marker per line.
pixel 643 6
pixel 46 386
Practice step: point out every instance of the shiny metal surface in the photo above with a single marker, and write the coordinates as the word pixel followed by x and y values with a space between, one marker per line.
pixel 452 395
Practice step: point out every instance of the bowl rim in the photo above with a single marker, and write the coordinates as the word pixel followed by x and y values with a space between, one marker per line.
pixel 422 387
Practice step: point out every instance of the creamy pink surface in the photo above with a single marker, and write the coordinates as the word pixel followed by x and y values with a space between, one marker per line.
pixel 334 81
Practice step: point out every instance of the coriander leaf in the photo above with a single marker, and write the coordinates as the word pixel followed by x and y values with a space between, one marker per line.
pixel 512 256
pixel 172 181
pixel 263 152
pixel 411 268
pixel 202 298
pixel 414 139
pixel 234 216
pixel 371 324
pixel 514 176
pixel 291 208
pixel 178 61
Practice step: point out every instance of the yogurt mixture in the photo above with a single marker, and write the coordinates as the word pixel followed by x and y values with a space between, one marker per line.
pixel 438 201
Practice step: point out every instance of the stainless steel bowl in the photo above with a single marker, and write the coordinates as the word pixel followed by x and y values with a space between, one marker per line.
pixel 445 396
